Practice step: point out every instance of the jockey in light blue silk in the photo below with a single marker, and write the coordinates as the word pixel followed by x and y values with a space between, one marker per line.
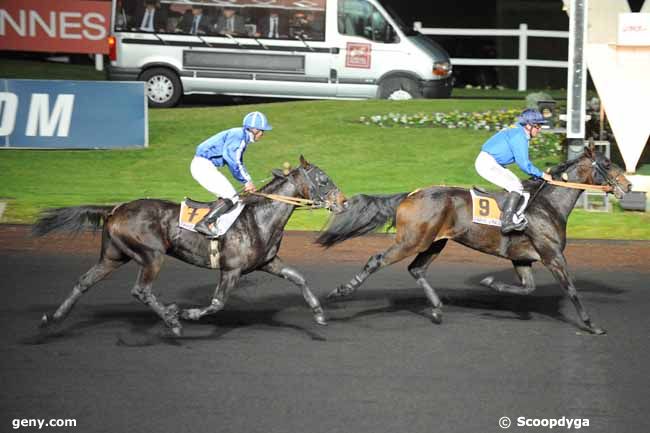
pixel 226 148
pixel 505 147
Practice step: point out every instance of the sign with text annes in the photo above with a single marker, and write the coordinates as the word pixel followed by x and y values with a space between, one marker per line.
pixel 38 114
pixel 65 26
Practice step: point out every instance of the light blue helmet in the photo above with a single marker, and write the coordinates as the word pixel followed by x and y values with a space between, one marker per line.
pixel 530 116
pixel 257 120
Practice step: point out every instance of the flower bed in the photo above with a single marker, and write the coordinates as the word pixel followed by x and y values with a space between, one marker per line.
pixel 545 144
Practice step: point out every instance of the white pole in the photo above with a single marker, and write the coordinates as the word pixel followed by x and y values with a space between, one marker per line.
pixel 577 77
pixel 99 62
pixel 523 54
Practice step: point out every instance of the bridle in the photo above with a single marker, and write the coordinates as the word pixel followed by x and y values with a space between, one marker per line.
pixel 605 175
pixel 314 191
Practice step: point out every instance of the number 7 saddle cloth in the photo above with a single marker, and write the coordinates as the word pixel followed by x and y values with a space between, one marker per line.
pixel 193 211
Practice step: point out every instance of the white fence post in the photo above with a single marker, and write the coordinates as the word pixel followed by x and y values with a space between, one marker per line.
pixel 99 62
pixel 523 56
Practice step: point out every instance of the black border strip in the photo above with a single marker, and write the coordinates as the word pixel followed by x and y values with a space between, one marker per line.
pixel 278 77
pixel 255 47
pixel 230 75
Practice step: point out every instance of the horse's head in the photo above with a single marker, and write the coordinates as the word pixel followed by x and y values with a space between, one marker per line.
pixel 594 168
pixel 314 184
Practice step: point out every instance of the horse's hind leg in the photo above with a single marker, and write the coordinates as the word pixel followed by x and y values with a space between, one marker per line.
pixel 142 290
pixel 279 269
pixel 418 268
pixel 524 272
pixel 393 254
pixel 110 260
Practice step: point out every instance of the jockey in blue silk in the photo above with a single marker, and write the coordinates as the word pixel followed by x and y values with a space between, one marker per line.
pixel 226 148
pixel 505 147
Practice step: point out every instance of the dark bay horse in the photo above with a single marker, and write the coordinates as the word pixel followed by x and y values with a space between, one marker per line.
pixel 427 219
pixel 146 230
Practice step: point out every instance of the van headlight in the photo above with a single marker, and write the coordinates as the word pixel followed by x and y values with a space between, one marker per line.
pixel 441 69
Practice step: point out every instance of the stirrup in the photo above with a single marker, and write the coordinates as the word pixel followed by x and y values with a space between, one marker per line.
pixel 205 230
pixel 514 227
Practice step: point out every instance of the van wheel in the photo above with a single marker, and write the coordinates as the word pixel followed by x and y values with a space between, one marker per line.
pixel 162 87
pixel 399 89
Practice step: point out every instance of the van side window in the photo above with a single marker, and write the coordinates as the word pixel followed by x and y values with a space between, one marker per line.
pixel 360 18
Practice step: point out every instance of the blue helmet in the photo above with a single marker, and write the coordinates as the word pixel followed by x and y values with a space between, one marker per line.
pixel 530 116
pixel 257 120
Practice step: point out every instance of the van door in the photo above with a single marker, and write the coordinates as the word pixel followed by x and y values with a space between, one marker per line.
pixel 369 46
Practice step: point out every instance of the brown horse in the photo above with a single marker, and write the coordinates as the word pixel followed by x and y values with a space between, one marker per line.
pixel 146 230
pixel 427 219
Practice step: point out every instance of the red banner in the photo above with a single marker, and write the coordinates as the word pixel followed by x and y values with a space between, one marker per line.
pixel 64 26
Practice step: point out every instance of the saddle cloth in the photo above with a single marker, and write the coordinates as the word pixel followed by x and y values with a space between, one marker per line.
pixel 193 211
pixel 485 209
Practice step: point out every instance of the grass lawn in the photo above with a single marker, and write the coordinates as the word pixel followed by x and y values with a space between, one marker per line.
pixel 43 70
pixel 359 158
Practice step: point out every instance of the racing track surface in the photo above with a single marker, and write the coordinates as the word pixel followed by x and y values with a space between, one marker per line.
pixel 262 365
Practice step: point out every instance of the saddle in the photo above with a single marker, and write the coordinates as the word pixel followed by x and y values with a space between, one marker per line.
pixel 192 211
pixel 498 197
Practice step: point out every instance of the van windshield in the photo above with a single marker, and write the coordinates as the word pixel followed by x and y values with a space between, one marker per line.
pixel 408 31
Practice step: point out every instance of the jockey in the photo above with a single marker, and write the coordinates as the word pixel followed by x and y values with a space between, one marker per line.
pixel 505 147
pixel 226 148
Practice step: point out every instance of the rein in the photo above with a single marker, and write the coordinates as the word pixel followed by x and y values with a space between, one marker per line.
pixel 573 185
pixel 294 201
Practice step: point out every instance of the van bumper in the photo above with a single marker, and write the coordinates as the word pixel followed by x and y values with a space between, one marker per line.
pixel 437 88
pixel 115 73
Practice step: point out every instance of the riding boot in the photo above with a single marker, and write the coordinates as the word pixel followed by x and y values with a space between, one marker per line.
pixel 217 209
pixel 510 207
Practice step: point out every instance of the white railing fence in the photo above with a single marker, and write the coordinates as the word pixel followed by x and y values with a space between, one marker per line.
pixel 523 62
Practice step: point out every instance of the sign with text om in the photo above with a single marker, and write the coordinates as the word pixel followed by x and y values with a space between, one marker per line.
pixel 40 114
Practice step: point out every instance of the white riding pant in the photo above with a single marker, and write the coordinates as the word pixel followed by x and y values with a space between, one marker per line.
pixel 207 175
pixel 489 169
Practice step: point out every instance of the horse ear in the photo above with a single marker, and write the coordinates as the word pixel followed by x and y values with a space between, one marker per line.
pixel 277 173
pixel 590 150
pixel 303 162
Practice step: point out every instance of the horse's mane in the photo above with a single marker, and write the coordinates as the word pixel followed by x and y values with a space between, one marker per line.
pixel 558 169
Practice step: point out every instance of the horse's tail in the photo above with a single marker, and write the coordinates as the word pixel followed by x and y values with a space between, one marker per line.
pixel 363 214
pixel 70 219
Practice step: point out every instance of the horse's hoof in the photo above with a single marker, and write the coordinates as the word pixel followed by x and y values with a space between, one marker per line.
pixel 191 314
pixel 177 331
pixel 487 282
pixel 340 292
pixel 320 319
pixel 436 316
pixel 597 330
pixel 46 321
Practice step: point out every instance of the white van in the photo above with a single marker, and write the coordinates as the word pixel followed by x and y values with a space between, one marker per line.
pixel 350 49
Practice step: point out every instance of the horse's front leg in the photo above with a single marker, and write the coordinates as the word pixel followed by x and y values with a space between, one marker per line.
pixel 558 266
pixel 228 281
pixel 278 268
